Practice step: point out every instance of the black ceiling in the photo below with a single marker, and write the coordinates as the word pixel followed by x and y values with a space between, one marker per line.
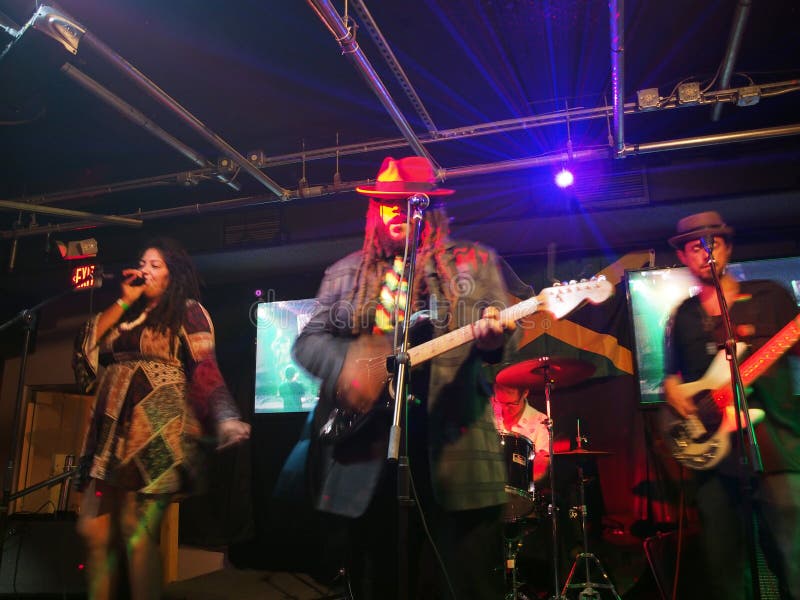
pixel 270 76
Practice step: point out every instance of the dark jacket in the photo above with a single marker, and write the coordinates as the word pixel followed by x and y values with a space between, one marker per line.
pixel 467 468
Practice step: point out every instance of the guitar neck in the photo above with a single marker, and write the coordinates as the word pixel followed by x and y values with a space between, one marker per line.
pixel 755 366
pixel 463 335
pixel 766 356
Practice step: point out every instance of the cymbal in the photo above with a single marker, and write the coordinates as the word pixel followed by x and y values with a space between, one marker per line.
pixel 583 452
pixel 534 373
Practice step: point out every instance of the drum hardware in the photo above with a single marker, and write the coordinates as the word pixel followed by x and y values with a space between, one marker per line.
pixel 542 374
pixel 589 591
pixel 520 489
pixel 513 544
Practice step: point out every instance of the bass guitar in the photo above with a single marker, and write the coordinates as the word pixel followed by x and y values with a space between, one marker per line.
pixel 702 440
pixel 558 300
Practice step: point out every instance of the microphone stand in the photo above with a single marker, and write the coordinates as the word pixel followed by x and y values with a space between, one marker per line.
pixel 747 466
pixel 28 319
pixel 415 213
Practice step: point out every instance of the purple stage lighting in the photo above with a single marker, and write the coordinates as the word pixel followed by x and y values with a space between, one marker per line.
pixel 564 178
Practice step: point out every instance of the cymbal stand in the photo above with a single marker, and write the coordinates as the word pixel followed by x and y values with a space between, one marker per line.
pixel 589 591
pixel 513 544
pixel 553 508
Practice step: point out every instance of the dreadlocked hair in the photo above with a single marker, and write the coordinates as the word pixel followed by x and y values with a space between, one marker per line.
pixel 169 313
pixel 377 258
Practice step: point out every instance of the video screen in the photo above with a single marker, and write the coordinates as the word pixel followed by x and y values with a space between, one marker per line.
pixel 281 385
pixel 654 293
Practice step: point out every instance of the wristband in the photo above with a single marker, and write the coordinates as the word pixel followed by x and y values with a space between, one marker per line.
pixel 124 305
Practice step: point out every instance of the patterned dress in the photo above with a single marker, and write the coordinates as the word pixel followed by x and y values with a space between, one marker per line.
pixel 154 404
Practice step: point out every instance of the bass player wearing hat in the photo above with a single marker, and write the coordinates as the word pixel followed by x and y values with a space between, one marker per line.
pixel 456 467
pixel 759 310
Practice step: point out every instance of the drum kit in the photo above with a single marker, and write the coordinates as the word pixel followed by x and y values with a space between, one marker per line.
pixel 525 505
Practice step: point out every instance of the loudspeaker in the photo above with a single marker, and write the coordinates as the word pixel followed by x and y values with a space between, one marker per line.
pixel 42 556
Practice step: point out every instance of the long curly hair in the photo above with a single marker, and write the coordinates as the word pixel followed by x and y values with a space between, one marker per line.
pixel 168 314
pixel 377 259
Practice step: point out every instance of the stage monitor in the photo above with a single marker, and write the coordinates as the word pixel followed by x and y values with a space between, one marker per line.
pixel 654 293
pixel 280 384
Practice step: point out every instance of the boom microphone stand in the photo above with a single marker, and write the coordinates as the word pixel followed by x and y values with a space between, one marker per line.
pixel 28 319
pixel 416 206
pixel 747 465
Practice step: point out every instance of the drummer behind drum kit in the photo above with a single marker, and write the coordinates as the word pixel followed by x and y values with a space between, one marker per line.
pixel 525 505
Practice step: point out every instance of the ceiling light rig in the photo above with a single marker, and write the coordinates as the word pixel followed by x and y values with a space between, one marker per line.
pixel 565 178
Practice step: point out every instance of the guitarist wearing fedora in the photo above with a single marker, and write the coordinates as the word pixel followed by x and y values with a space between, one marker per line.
pixel 759 310
pixel 454 454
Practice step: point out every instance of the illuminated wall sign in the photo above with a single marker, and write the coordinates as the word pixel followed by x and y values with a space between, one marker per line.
pixel 83 277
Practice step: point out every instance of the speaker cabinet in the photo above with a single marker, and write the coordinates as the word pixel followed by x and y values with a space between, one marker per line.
pixel 42 557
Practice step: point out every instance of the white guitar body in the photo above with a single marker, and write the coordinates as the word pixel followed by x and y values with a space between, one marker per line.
pixel 703 439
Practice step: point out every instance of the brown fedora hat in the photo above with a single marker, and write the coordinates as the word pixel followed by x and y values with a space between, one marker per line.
pixel 403 177
pixel 697 226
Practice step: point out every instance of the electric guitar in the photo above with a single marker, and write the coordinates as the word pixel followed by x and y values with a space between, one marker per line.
pixel 559 301
pixel 702 440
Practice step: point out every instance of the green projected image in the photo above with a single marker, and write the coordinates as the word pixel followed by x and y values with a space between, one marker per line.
pixel 280 384
pixel 654 293
pixel 652 296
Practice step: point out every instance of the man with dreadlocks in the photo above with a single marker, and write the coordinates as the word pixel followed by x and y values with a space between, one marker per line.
pixel 457 470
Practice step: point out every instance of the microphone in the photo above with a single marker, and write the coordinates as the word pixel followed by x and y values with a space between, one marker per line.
pixel 419 201
pixel 100 275
pixel 707 241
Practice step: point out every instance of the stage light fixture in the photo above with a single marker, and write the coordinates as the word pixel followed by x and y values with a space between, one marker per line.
pixel 258 158
pixel 748 96
pixel 647 99
pixel 564 178
pixel 689 93
pixel 78 249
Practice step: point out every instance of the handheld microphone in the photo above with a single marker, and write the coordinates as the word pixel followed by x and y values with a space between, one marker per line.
pixel 100 275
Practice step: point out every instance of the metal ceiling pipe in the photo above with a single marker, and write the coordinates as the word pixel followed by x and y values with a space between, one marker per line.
pixel 713 140
pixel 732 51
pixel 183 177
pixel 170 103
pixel 394 64
pixel 494 127
pixel 350 48
pixel 72 214
pixel 134 115
pixel 455 172
pixel 616 10
pixel 525 163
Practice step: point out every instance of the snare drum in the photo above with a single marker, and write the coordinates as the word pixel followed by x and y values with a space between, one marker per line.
pixel 518 451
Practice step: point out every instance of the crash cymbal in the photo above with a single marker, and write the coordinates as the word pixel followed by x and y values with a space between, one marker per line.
pixel 533 374
pixel 583 452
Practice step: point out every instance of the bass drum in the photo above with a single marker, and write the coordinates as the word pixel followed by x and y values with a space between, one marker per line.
pixel 520 491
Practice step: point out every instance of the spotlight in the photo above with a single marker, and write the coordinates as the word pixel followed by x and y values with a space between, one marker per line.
pixel 77 250
pixel 647 99
pixel 564 178
pixel 689 93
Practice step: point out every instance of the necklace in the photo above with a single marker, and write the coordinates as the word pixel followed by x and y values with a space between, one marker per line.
pixel 128 325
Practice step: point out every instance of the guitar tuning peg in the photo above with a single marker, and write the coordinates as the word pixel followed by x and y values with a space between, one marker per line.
pixel 572 282
pixel 583 280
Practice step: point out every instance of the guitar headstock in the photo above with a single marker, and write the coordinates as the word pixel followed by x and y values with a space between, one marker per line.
pixel 560 300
